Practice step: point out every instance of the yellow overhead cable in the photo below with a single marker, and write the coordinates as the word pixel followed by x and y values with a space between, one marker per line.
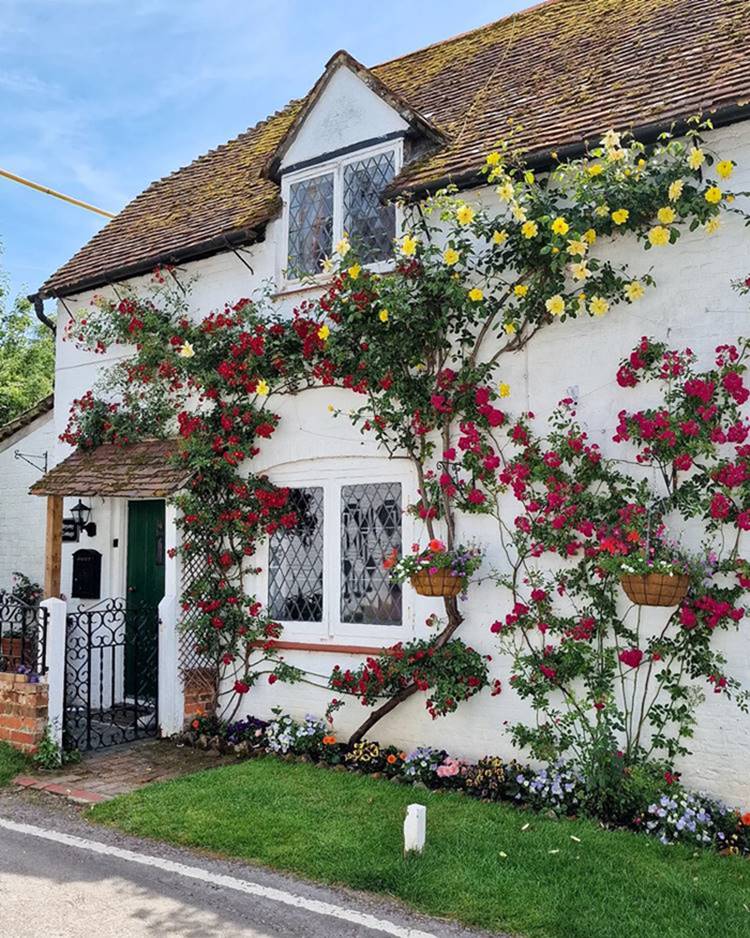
pixel 58 195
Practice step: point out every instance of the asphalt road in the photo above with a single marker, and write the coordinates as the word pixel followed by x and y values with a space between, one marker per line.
pixel 61 877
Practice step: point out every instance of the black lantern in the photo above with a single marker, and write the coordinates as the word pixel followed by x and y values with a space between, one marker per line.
pixel 81 514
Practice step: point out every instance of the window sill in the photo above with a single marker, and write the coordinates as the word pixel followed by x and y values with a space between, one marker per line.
pixel 295 289
pixel 325 647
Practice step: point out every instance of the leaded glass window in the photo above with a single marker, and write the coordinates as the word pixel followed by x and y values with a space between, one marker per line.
pixel 370 224
pixel 370 530
pixel 310 224
pixel 295 568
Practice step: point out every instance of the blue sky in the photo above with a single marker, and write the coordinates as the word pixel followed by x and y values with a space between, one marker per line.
pixel 100 97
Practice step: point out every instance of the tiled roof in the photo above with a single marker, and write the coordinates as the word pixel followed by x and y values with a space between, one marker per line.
pixel 27 417
pixel 561 72
pixel 140 470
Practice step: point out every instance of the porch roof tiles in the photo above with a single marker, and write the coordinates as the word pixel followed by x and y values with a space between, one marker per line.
pixel 141 470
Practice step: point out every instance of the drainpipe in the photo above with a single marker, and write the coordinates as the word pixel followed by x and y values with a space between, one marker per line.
pixel 40 314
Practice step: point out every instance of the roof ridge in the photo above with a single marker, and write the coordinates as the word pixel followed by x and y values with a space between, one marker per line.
pixel 27 417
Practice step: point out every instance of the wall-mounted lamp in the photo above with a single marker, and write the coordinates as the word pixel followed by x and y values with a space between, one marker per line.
pixel 81 514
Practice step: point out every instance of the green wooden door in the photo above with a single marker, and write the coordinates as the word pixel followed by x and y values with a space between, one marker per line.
pixel 145 584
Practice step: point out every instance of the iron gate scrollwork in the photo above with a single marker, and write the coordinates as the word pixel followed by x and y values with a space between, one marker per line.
pixel 111 674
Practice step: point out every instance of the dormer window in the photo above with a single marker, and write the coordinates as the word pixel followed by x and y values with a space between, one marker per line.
pixel 325 200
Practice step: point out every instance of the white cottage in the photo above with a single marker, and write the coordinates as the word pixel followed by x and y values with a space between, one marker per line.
pixel 269 203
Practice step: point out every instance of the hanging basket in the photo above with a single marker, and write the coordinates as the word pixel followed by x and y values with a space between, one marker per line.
pixel 655 589
pixel 441 583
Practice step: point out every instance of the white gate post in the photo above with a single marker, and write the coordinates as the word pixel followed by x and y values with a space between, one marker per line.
pixel 57 611
pixel 171 694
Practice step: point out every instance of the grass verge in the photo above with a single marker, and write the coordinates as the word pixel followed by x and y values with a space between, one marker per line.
pixel 12 763
pixel 341 828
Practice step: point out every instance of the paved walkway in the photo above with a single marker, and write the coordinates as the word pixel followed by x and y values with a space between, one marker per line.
pixel 116 771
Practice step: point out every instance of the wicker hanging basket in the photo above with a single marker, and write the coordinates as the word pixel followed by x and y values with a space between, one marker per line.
pixel 655 589
pixel 440 583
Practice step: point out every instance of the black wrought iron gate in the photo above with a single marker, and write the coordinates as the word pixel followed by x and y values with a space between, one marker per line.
pixel 111 675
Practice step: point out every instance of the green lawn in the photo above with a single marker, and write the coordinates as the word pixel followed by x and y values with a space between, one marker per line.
pixel 347 829
pixel 12 763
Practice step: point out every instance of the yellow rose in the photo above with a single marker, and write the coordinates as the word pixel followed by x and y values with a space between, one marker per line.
pixel 610 139
pixel 634 290
pixel 493 158
pixel 560 226
pixel 620 216
pixel 666 215
pixel 520 289
pixel 408 246
pixel 505 191
pixel 579 271
pixel 675 190
pixel 383 315
pixel 186 350
pixel 518 212
pixel 598 305
pixel 658 236
pixel 601 211
pixel 555 305
pixel 331 408
pixel 589 236
pixel 354 271
pixel 262 389
pixel 465 215
pixel 475 295
pixel 504 389
pixel 725 168
pixel 326 265
pixel 324 332
pixel 499 237
pixel 696 157
pixel 595 169
pixel 529 229
pixel 577 248
pixel 712 226
pixel 713 195
pixel 343 247
pixel 509 328
pixel 451 256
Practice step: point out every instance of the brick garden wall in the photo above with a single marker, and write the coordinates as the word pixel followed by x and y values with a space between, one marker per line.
pixel 200 692
pixel 23 711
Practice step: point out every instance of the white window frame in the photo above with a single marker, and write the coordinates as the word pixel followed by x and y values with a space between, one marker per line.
pixel 331 475
pixel 336 167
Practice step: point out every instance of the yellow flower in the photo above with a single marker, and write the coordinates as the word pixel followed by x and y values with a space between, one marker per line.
pixel 383 315
pixel 331 408
pixel 598 305
pixel 504 389
pixel 528 177
pixel 595 169
pixel 610 139
pixel 475 295
pixel 529 229
pixel 620 216
pixel 560 226
pixel 520 289
pixel 589 236
pixel 509 328
pixel 327 265
pixel 666 215
pixel 696 156
pixel 675 190
pixel 555 305
pixel 712 226
pixel 451 256
pixel 186 350
pixel 465 215
pixel 262 389
pixel 505 191
pixel 615 155
pixel 354 271
pixel 634 290
pixel 577 248
pixel 658 236
pixel 493 158
pixel 408 246
pixel 579 271
pixel 499 237
pixel 518 212
pixel 343 247
pixel 601 211
pixel 324 332
pixel 713 195
pixel 725 168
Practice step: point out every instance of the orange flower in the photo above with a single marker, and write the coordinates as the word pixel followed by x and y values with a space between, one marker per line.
pixel 436 546
pixel 745 818
pixel 329 740
pixel 390 759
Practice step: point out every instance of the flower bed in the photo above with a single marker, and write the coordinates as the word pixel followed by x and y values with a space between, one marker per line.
pixel 650 798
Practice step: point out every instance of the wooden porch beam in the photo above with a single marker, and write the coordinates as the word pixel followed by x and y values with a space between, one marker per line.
pixel 53 546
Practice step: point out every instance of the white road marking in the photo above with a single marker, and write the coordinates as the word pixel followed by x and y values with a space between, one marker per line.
pixel 227 882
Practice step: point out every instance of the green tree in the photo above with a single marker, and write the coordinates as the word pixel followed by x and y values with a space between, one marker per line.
pixel 27 356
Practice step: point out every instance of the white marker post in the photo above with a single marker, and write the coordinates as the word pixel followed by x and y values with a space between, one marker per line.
pixel 415 828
